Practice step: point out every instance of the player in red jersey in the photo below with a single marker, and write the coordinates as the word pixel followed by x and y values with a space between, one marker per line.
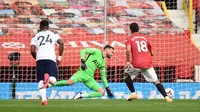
pixel 139 48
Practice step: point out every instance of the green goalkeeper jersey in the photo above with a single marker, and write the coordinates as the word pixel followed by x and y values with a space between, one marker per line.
pixel 94 60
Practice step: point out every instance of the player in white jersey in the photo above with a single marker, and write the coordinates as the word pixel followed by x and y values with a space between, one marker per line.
pixel 46 68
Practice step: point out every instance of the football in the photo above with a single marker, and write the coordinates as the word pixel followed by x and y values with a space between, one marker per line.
pixel 170 92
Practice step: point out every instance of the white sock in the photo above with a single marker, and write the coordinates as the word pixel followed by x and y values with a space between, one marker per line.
pixel 42 90
pixel 133 93
pixel 166 97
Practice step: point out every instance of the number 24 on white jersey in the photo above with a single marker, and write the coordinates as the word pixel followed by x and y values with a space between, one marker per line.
pixel 43 40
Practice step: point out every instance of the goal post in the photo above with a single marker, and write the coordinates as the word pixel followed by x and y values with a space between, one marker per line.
pixel 188 7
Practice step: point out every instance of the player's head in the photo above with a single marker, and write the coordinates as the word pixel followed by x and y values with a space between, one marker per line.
pixel 44 25
pixel 134 27
pixel 109 50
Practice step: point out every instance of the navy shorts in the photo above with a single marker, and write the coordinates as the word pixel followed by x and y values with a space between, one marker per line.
pixel 46 66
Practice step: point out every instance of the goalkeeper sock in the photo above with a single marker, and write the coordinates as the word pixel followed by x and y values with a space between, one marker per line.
pixel 42 91
pixel 61 83
pixel 161 89
pixel 92 95
pixel 129 84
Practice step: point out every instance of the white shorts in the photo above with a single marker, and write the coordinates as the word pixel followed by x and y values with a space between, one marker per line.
pixel 148 73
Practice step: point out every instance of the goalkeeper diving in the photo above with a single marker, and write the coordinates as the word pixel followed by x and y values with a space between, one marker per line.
pixel 91 59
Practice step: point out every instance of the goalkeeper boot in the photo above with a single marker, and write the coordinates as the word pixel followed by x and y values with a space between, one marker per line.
pixel 45 103
pixel 46 80
pixel 78 96
pixel 133 96
pixel 167 99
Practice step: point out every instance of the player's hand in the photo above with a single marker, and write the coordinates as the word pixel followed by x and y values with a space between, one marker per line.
pixel 83 65
pixel 109 93
pixel 128 64
pixel 58 60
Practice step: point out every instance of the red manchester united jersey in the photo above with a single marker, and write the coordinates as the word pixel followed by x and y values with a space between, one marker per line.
pixel 140 47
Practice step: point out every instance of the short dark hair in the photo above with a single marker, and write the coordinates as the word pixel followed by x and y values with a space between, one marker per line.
pixel 44 23
pixel 108 46
pixel 134 27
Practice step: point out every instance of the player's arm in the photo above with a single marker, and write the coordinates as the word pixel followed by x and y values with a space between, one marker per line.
pixel 103 76
pixel 60 49
pixel 150 49
pixel 105 81
pixel 86 52
pixel 128 53
pixel 33 48
pixel 151 52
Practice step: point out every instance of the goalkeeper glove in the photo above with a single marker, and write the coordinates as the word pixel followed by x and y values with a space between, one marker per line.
pixel 83 65
pixel 109 93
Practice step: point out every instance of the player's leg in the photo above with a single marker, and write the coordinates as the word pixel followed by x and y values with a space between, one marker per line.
pixel 130 74
pixel 93 85
pixel 52 71
pixel 161 89
pixel 74 79
pixel 150 76
pixel 129 82
pixel 40 77
pixel 65 82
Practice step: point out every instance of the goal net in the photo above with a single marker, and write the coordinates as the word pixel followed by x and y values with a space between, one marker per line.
pixel 94 23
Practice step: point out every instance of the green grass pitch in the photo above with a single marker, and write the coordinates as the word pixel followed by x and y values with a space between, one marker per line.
pixel 100 106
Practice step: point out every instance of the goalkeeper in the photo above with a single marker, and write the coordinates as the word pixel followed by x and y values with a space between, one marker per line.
pixel 95 59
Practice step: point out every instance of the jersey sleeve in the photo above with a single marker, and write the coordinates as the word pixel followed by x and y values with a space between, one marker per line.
pixel 57 37
pixel 33 41
pixel 103 76
pixel 85 51
pixel 127 42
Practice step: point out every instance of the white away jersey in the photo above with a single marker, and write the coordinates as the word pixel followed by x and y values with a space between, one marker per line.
pixel 45 41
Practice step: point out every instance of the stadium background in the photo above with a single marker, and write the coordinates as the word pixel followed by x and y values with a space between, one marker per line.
pixel 85 23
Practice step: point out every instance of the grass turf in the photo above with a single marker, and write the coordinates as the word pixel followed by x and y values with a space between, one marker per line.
pixel 100 106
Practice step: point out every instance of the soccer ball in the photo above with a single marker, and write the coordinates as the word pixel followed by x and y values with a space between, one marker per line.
pixel 170 92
